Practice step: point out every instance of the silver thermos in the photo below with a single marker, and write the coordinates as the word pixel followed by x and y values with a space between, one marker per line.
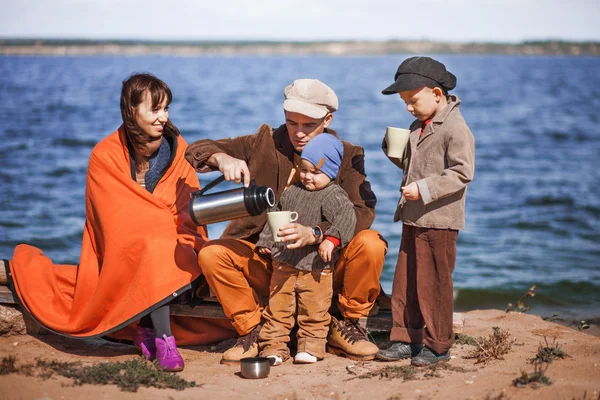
pixel 229 204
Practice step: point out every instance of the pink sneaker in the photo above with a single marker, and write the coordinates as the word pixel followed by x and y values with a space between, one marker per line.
pixel 143 340
pixel 167 355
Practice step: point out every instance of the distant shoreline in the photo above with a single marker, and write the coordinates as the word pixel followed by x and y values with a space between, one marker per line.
pixel 68 47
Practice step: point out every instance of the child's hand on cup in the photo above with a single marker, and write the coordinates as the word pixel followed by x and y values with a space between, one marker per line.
pixel 298 234
pixel 263 250
pixel 325 250
pixel 411 192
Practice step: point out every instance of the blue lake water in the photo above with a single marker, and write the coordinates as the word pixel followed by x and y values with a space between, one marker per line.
pixel 533 210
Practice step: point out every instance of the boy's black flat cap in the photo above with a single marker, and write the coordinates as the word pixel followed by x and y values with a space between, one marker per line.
pixel 417 72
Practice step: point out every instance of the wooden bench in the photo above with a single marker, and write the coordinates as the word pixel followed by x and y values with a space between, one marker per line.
pixel 210 308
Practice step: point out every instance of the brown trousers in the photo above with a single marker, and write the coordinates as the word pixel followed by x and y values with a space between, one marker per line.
pixel 422 294
pixel 240 277
pixel 305 294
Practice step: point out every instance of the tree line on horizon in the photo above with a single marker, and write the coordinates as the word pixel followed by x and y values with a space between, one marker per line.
pixel 549 46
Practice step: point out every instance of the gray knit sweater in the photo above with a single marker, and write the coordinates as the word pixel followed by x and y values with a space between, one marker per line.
pixel 331 204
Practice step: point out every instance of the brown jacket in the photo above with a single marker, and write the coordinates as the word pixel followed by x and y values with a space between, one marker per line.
pixel 269 155
pixel 442 163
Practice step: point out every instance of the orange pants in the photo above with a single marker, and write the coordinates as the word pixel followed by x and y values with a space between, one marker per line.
pixel 240 277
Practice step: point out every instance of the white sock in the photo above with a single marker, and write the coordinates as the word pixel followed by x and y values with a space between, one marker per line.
pixel 278 360
pixel 305 358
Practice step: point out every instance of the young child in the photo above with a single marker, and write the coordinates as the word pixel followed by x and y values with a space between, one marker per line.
pixel 301 284
pixel 437 170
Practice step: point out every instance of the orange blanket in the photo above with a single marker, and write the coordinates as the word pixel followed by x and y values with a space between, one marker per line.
pixel 139 251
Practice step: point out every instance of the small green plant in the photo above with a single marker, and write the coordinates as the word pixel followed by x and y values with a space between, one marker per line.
pixel 547 352
pixel 128 375
pixel 582 325
pixel 461 338
pixel 520 305
pixel 534 379
pixel 492 347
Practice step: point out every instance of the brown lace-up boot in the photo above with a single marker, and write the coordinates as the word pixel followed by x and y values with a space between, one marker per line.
pixel 346 338
pixel 246 346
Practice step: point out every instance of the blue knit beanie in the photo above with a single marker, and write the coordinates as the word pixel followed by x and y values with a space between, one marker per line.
pixel 327 147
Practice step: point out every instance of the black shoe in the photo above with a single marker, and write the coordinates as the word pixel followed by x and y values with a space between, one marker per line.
pixel 428 357
pixel 398 351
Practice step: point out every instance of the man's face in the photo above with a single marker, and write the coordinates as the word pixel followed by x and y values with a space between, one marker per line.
pixel 422 103
pixel 302 128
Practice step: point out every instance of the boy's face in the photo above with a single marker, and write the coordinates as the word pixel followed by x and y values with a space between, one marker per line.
pixel 311 177
pixel 423 103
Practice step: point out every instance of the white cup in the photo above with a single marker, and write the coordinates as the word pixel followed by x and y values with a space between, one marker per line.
pixel 396 139
pixel 277 219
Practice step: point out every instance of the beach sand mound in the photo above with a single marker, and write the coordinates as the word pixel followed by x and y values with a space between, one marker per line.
pixel 574 377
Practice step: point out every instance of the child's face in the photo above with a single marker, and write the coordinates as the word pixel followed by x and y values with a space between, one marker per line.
pixel 311 177
pixel 423 103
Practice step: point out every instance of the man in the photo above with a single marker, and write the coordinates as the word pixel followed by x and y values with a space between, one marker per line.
pixel 238 275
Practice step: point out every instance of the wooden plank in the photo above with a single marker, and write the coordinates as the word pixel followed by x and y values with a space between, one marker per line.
pixel 381 322
pixel 206 310
pixel 6 296
pixel 212 309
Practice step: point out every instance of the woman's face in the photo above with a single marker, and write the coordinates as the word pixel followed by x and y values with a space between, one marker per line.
pixel 152 120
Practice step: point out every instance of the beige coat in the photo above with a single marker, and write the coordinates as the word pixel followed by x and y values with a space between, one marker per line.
pixel 442 163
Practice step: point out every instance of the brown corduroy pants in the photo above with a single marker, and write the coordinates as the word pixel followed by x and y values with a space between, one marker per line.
pixel 422 293
pixel 304 296
pixel 240 277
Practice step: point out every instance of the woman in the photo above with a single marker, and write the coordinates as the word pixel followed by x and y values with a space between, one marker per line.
pixel 139 249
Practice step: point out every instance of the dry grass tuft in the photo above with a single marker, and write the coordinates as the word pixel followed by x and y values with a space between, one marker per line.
pixel 8 365
pixel 128 375
pixel 390 372
pixel 408 372
pixel 493 347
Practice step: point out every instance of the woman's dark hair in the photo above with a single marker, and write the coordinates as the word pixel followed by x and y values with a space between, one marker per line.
pixel 133 94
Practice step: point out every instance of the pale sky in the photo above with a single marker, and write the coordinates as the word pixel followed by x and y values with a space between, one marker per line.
pixel 446 20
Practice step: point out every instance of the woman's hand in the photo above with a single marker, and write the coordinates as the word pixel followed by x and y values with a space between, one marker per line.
pixel 411 192
pixel 300 235
pixel 263 250
pixel 233 169
pixel 325 250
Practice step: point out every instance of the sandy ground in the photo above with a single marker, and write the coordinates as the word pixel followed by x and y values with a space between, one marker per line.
pixel 576 377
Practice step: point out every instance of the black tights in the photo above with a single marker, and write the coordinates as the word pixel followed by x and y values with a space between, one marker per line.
pixel 158 319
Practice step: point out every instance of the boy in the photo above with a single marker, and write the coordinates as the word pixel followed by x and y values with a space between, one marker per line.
pixel 302 277
pixel 439 165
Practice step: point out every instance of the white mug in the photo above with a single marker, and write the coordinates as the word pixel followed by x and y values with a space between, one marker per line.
pixel 277 219
pixel 396 139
